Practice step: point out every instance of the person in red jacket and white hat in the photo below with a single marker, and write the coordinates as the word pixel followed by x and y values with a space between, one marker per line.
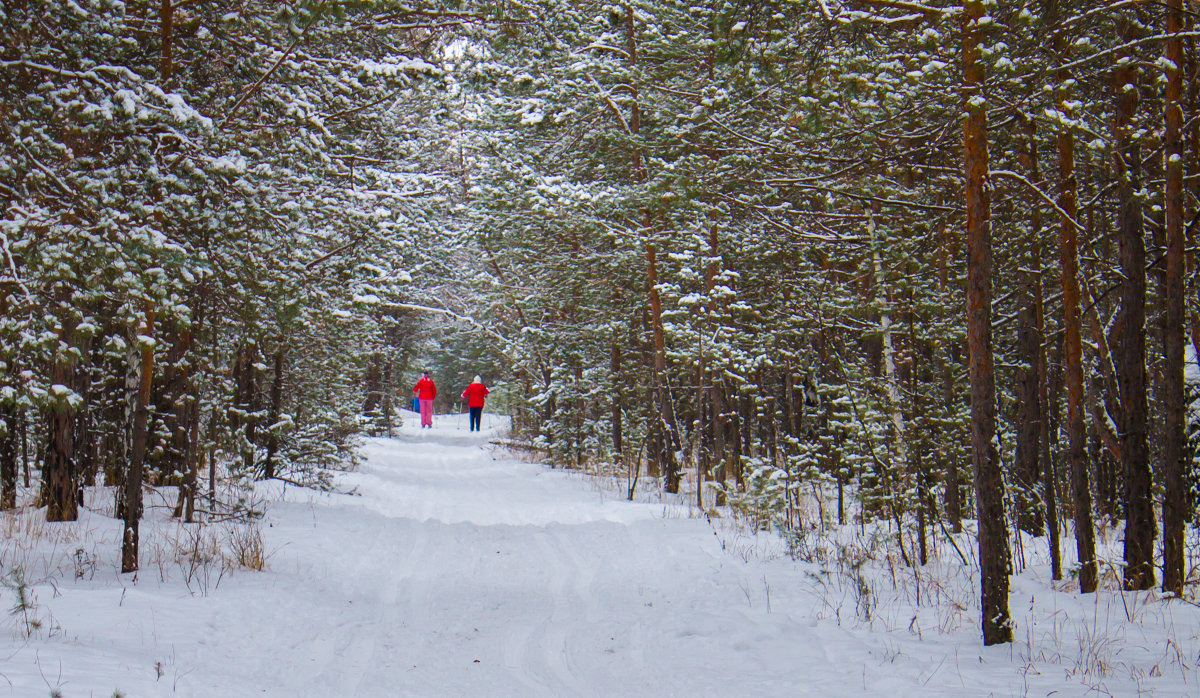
pixel 426 391
pixel 474 395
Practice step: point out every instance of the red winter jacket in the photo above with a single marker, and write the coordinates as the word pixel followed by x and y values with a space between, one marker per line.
pixel 425 389
pixel 475 393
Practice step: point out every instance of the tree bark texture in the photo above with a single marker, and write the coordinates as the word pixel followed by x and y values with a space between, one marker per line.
pixel 9 448
pixel 133 476
pixel 59 476
pixel 244 414
pixel 275 410
pixel 994 559
pixel 1174 447
pixel 166 21
pixel 1073 344
pixel 618 402
pixel 10 415
pixel 1029 463
pixel 663 397
pixel 954 504
pixel 1131 363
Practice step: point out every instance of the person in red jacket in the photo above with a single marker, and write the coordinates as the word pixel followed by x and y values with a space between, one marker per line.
pixel 474 395
pixel 426 391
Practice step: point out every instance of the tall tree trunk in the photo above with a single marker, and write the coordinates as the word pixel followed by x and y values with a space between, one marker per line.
pixel 1072 327
pixel 994 561
pixel 663 396
pixel 770 433
pixel 59 475
pixel 176 375
pixel 388 391
pixel 654 458
pixel 716 380
pixel 24 448
pixel 669 443
pixel 86 437
pixel 947 456
pixel 920 443
pixel 1073 372
pixel 954 504
pixel 1192 170
pixel 1049 475
pixel 788 403
pixel 166 22
pixel 719 426
pixel 618 401
pixel 899 437
pixel 701 430
pixel 273 415
pixel 189 416
pixel 243 416
pixel 1028 465
pixel 735 448
pixel 1029 418
pixel 186 507
pixel 1174 448
pixel 1131 377
pixel 635 108
pixel 133 476
pixel 211 459
pixel 10 433
pixel 9 436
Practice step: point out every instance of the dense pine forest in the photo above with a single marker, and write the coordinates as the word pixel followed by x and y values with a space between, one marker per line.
pixel 928 265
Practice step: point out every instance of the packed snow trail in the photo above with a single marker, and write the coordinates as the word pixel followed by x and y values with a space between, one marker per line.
pixel 462 572
pixel 445 567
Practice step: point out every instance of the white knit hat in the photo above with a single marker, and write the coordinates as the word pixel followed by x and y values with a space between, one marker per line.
pixel 477 380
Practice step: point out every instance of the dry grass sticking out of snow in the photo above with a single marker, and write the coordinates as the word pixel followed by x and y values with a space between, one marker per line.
pixel 198 555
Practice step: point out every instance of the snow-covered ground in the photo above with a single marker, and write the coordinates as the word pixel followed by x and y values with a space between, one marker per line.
pixel 444 567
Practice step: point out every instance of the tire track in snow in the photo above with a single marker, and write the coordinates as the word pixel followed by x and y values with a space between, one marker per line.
pixel 416 582
pixel 523 655
pixel 536 651
pixel 636 637
pixel 516 648
pixel 374 562
pixel 583 574
pixel 422 563
pixel 555 652
pixel 348 652
pixel 406 550
pixel 355 661
pixel 323 659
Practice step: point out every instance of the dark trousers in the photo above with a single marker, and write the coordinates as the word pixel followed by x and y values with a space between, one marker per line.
pixel 476 413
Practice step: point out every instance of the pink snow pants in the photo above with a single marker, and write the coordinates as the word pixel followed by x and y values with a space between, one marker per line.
pixel 426 413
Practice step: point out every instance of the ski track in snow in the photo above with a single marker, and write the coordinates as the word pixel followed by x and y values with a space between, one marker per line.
pixel 454 570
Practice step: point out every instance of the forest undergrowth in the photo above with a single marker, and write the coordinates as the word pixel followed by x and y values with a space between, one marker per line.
pixel 37 556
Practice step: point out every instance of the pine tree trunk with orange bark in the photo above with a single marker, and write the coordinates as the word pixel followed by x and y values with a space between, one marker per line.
pixel 994 562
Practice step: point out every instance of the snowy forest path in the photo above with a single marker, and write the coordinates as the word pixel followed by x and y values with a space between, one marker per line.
pixel 444 566
pixel 452 568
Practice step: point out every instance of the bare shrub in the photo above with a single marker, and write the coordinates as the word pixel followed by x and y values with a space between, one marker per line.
pixel 198 556
pixel 246 548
